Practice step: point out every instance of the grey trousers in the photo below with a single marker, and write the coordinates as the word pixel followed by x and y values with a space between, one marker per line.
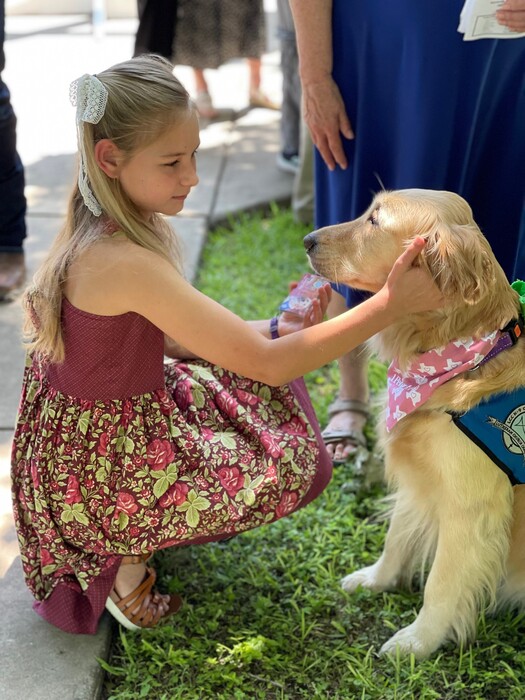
pixel 295 137
pixel 303 199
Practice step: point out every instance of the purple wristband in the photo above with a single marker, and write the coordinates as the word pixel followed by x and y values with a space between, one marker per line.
pixel 274 330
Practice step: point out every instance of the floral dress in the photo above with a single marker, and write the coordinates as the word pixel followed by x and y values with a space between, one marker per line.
pixel 117 452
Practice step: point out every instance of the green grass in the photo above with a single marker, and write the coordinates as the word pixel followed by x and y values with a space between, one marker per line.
pixel 264 615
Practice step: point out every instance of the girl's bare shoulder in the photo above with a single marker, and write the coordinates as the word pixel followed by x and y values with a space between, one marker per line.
pixel 99 277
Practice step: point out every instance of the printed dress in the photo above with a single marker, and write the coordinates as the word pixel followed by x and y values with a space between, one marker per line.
pixel 117 452
pixel 209 33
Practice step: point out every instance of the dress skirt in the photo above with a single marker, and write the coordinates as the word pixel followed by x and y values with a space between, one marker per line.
pixel 208 456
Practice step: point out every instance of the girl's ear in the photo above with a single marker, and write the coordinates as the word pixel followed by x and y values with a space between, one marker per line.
pixel 108 157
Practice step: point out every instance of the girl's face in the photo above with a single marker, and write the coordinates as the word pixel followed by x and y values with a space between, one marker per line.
pixel 159 177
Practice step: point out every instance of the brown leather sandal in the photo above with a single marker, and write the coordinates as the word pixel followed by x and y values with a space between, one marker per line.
pixel 135 611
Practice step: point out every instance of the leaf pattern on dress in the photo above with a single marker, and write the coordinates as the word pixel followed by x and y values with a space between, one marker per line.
pixel 212 453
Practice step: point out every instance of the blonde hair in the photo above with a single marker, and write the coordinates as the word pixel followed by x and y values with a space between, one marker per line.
pixel 144 98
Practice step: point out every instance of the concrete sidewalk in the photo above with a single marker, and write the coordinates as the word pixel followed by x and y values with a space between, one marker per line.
pixel 237 171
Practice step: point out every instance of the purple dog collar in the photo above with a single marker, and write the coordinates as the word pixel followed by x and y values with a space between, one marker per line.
pixel 509 337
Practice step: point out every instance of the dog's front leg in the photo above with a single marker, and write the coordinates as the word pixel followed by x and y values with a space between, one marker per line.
pixel 473 541
pixel 396 563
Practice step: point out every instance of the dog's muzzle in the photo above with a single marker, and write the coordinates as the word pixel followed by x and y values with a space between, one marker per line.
pixel 310 242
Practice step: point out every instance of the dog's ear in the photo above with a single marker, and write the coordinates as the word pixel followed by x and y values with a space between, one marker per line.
pixel 460 261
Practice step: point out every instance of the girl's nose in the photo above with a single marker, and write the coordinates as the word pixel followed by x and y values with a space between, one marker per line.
pixel 189 176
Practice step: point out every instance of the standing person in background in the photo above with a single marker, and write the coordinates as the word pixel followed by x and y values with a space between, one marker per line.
pixel 12 197
pixel 296 154
pixel 212 32
pixel 157 27
pixel 288 158
pixel 303 198
pixel 394 98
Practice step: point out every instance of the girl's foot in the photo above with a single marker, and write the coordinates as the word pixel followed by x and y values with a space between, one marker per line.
pixel 133 602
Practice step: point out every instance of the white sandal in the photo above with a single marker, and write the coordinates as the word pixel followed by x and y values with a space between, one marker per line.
pixel 205 106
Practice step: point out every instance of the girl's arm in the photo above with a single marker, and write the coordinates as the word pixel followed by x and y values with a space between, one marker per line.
pixel 287 323
pixel 176 350
pixel 148 285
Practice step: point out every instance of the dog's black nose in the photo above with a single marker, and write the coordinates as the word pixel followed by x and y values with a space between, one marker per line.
pixel 310 241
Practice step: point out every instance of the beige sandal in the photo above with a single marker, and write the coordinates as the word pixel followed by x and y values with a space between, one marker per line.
pixel 259 99
pixel 357 437
pixel 205 106
pixel 141 608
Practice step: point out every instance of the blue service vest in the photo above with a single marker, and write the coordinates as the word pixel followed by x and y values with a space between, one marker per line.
pixel 497 426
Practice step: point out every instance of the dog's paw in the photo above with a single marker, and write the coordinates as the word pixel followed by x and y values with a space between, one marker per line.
pixel 409 640
pixel 366 578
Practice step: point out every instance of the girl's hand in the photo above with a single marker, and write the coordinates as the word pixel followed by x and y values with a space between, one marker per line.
pixel 411 289
pixel 291 323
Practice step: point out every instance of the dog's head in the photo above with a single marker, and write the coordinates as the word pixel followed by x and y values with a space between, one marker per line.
pixel 361 253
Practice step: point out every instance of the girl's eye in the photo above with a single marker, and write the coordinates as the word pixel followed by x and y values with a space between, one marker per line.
pixel 170 165
pixel 194 154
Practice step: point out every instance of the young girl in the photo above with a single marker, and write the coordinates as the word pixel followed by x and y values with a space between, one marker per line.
pixel 116 454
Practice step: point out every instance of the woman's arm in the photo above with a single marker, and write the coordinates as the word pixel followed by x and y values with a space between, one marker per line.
pixel 148 285
pixel 323 108
pixel 313 29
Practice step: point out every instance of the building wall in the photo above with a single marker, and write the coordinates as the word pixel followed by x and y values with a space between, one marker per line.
pixel 112 8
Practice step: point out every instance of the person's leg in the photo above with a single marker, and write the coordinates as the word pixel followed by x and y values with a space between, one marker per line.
pixel 349 412
pixel 288 159
pixel 12 198
pixel 201 85
pixel 203 99
pixel 254 66
pixel 303 200
pixel 157 27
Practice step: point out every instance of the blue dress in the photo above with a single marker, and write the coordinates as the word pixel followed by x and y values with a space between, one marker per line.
pixel 428 110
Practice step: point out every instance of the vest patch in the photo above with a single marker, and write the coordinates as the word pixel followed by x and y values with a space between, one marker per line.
pixel 497 426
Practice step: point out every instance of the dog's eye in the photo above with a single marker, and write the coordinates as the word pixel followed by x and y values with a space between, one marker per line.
pixel 373 218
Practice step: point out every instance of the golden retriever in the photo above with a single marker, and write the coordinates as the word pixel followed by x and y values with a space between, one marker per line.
pixel 455 513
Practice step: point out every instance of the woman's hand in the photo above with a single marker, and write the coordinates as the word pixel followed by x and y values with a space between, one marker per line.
pixel 512 15
pixel 291 323
pixel 326 118
pixel 411 289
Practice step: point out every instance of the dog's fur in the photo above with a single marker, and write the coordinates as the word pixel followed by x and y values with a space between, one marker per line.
pixel 453 508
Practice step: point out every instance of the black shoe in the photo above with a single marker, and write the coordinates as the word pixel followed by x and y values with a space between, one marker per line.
pixel 12 274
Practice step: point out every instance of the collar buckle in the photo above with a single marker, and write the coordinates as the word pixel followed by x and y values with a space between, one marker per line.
pixel 515 329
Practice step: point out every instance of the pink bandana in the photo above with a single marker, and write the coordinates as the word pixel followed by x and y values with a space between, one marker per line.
pixel 408 390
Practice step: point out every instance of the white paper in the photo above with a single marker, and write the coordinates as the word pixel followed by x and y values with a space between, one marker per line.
pixel 478 21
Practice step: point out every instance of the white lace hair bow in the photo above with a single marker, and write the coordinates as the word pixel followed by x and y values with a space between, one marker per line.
pixel 90 97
